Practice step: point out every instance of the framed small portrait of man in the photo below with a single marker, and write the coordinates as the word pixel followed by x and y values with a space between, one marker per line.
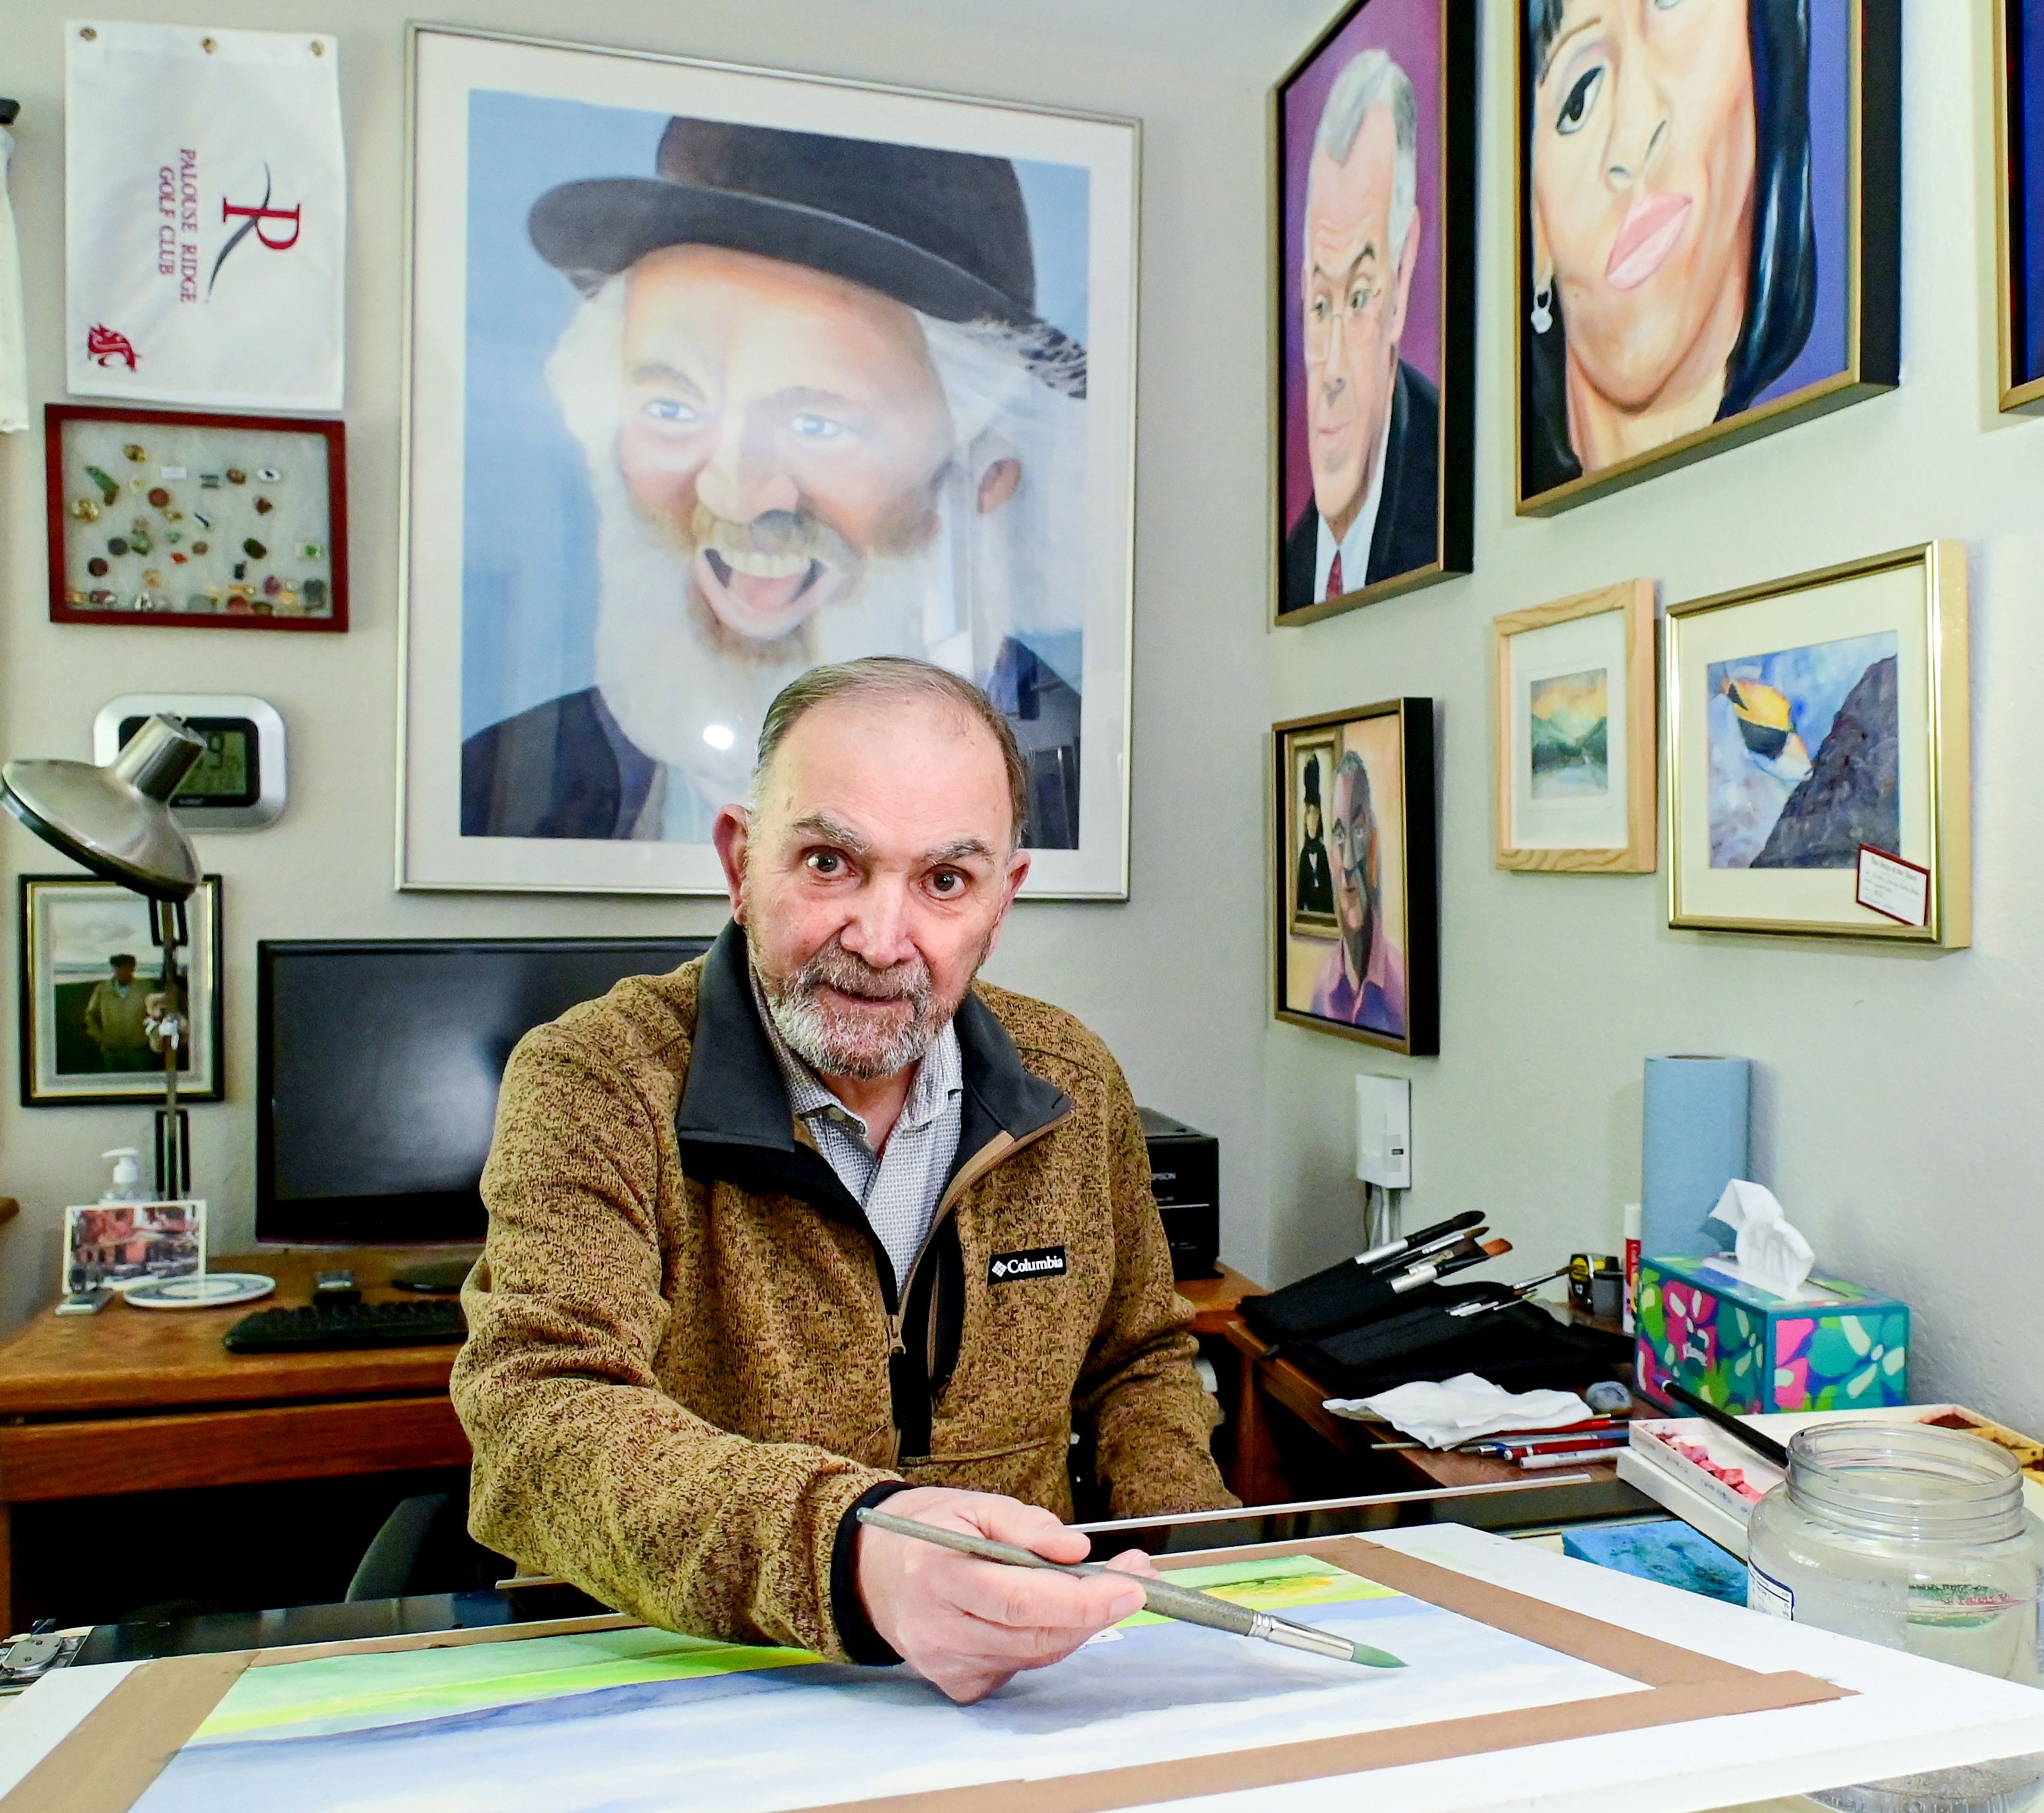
pixel 102 1018
pixel 1709 197
pixel 1312 896
pixel 719 374
pixel 1374 293
pixel 1368 967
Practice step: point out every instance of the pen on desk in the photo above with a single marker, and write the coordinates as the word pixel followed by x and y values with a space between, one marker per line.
pixel 1395 1249
pixel 1551 1445
pixel 1566 1457
pixel 1548 1438
pixel 1458 1261
pixel 1159 1596
pixel 1765 1446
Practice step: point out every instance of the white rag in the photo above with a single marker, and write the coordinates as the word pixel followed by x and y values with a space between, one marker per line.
pixel 1462 1409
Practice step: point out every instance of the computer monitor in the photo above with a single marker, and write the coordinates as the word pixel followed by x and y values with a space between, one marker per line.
pixel 377 1068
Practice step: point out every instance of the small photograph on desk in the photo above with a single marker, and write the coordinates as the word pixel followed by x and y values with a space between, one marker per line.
pixel 121 1244
pixel 99 1020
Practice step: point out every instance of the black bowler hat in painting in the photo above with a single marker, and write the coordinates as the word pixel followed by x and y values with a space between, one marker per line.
pixel 945 232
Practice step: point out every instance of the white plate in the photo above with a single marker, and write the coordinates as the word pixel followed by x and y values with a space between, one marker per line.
pixel 211 1290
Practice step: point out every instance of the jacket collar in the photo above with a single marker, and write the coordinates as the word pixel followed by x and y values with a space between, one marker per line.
pixel 735 1095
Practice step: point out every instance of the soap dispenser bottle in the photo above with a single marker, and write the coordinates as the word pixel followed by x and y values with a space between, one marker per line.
pixel 127 1184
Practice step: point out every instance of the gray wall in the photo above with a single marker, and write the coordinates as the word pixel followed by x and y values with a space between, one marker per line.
pixel 1172 979
pixel 1893 1112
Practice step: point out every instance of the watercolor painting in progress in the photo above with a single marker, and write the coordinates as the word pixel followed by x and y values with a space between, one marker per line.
pixel 529 1724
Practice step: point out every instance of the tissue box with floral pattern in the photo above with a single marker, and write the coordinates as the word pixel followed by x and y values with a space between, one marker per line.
pixel 1839 1346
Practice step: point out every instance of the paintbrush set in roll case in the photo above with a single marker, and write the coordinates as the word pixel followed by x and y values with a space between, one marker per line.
pixel 1389 1315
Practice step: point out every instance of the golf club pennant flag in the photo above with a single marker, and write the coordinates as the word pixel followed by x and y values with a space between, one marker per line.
pixel 206 196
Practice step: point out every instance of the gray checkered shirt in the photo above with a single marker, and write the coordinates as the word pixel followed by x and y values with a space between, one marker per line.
pixel 900 1187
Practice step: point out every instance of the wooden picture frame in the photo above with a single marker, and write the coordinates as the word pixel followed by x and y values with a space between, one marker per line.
pixel 2018 200
pixel 71 927
pixel 1813 725
pixel 190 520
pixel 1377 979
pixel 1420 531
pixel 1820 330
pixel 1580 799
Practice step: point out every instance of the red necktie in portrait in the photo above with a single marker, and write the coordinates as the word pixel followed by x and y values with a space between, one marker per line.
pixel 1334 577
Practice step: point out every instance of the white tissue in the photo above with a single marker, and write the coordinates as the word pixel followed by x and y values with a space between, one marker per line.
pixel 1771 1255
pixel 1462 1408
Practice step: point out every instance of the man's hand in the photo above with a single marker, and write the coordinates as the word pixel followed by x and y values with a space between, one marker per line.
pixel 967 1626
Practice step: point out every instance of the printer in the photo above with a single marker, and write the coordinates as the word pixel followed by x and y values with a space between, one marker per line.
pixel 1185 1177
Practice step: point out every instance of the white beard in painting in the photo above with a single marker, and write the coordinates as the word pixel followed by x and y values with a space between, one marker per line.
pixel 691 693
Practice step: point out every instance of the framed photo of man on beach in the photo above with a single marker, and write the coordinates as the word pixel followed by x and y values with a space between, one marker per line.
pixel 1355 823
pixel 716 374
pixel 1374 291
pixel 1710 229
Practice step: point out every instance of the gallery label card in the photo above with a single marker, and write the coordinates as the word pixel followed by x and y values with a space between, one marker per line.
pixel 1892 888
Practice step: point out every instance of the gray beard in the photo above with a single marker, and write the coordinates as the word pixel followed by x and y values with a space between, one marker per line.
pixel 844 1044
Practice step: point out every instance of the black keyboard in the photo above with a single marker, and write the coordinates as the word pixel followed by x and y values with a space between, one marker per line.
pixel 348 1325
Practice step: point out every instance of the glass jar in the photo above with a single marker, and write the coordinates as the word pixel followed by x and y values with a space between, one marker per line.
pixel 1913 1538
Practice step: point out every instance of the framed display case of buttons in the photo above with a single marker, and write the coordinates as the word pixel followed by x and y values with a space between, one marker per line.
pixel 206 521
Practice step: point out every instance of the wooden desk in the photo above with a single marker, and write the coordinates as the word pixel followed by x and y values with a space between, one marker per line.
pixel 134 1401
pixel 1255 1468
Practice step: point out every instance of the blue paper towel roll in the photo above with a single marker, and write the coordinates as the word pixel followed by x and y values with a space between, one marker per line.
pixel 1695 1144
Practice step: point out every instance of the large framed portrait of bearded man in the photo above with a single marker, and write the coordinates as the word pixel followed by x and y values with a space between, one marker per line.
pixel 716 374
pixel 1373 295
pixel 1709 228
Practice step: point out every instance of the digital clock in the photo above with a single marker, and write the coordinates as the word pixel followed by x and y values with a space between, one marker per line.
pixel 239 784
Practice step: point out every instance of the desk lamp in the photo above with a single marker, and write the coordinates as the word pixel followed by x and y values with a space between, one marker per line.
pixel 117 822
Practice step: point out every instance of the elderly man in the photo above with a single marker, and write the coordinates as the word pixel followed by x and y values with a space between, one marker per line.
pixel 1363 981
pixel 815 1221
pixel 822 419
pixel 1373 422
pixel 115 1016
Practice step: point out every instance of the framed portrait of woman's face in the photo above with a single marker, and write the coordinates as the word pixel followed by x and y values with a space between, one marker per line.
pixel 1374 291
pixel 1710 239
pixel 2018 69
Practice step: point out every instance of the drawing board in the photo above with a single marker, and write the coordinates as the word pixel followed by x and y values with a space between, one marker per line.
pixel 621 1717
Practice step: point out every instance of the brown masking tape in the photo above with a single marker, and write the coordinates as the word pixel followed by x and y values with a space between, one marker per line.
pixel 107 1762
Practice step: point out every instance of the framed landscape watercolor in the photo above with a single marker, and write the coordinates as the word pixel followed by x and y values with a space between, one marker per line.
pixel 1817 751
pixel 914 313
pixel 2018 119
pixel 1714 267
pixel 1374 294
pixel 1369 968
pixel 1572 712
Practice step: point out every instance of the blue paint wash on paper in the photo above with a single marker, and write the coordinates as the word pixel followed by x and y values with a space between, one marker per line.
pixel 1668 1552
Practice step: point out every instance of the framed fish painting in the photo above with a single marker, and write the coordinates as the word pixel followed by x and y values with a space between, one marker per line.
pixel 1817 758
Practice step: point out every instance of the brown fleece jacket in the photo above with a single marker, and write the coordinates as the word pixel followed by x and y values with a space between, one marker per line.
pixel 685 1363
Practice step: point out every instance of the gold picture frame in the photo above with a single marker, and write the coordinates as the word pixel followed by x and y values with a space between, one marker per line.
pixel 1434 43
pixel 1574 785
pixel 1817 736
pixel 1376 976
pixel 1310 769
pixel 1780 373
pixel 2020 390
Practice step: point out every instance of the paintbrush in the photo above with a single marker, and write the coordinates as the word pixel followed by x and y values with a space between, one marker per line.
pixel 1765 1446
pixel 1458 1259
pixel 1159 1596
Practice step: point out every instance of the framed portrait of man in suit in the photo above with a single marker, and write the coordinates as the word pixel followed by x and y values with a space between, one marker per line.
pixel 716 375
pixel 1374 300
